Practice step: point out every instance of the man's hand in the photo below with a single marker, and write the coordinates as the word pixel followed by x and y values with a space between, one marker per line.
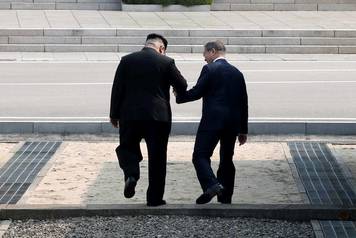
pixel 114 122
pixel 242 139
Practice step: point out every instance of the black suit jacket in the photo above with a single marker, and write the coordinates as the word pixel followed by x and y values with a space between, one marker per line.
pixel 223 89
pixel 141 87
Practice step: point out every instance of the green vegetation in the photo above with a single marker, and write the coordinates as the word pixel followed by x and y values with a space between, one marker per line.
pixel 170 2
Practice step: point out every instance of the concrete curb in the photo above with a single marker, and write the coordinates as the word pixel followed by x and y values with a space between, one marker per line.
pixel 295 212
pixel 181 127
pixel 4 225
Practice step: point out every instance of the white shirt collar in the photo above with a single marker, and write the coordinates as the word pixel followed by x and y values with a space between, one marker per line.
pixel 221 57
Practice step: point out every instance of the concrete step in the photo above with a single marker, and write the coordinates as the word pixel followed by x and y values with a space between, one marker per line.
pixel 138 32
pixel 214 7
pixel 283 5
pixel 180 41
pixel 60 4
pixel 218 5
pixel 107 40
pixel 246 49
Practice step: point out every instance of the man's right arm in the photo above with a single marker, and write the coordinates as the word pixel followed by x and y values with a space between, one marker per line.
pixel 177 81
pixel 198 91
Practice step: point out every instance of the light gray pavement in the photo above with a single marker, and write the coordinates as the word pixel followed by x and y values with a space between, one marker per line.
pixel 85 171
pixel 177 20
pixel 88 173
pixel 278 89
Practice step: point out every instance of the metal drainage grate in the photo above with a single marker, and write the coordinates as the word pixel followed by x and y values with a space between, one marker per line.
pixel 21 170
pixel 324 183
pixel 337 229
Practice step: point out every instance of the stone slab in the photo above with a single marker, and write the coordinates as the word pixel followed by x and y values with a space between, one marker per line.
pixel 80 48
pixel 64 128
pixel 302 49
pixel 16 127
pixel 331 128
pixel 33 6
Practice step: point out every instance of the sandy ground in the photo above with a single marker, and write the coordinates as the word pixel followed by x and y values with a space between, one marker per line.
pixel 6 151
pixel 88 173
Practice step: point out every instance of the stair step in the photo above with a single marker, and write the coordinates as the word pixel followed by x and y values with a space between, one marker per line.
pixel 107 40
pixel 61 5
pixel 216 33
pixel 218 5
pixel 280 49
pixel 180 41
pixel 273 5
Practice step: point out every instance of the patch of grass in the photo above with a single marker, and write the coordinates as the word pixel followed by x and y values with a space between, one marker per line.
pixel 170 2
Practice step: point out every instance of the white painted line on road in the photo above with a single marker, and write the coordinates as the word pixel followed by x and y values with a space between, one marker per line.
pixel 57 118
pixel 181 61
pixel 286 119
pixel 243 61
pixel 297 70
pixel 52 84
pixel 298 82
pixel 248 82
pixel 60 62
pixel 187 118
pixel 305 118
pixel 292 82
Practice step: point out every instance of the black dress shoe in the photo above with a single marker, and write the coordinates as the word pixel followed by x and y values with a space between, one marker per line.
pixel 130 185
pixel 224 200
pixel 210 193
pixel 156 203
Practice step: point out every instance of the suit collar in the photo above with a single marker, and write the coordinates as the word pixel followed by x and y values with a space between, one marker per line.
pixel 219 59
pixel 149 49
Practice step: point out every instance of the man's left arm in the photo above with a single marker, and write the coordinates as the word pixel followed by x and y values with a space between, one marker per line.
pixel 244 113
pixel 116 95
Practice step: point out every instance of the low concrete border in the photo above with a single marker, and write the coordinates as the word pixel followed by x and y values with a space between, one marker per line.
pixel 295 212
pixel 181 127
pixel 318 231
pixel 4 225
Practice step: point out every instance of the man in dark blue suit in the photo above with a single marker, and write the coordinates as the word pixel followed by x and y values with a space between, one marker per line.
pixel 224 118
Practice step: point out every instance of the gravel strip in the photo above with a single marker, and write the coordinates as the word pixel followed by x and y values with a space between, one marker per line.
pixel 158 226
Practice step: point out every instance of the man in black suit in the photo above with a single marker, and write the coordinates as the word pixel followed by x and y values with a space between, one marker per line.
pixel 224 117
pixel 140 108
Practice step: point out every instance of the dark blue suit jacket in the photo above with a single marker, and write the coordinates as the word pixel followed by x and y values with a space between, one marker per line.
pixel 223 89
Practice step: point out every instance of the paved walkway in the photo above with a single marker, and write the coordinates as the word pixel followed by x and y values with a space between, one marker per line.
pixel 87 172
pixel 176 20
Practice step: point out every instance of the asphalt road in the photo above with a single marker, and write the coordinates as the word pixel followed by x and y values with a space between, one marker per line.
pixel 81 91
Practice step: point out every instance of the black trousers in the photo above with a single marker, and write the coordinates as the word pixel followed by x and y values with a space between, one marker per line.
pixel 129 154
pixel 205 143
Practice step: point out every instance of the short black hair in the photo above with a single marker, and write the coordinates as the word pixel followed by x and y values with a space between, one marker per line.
pixel 157 36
